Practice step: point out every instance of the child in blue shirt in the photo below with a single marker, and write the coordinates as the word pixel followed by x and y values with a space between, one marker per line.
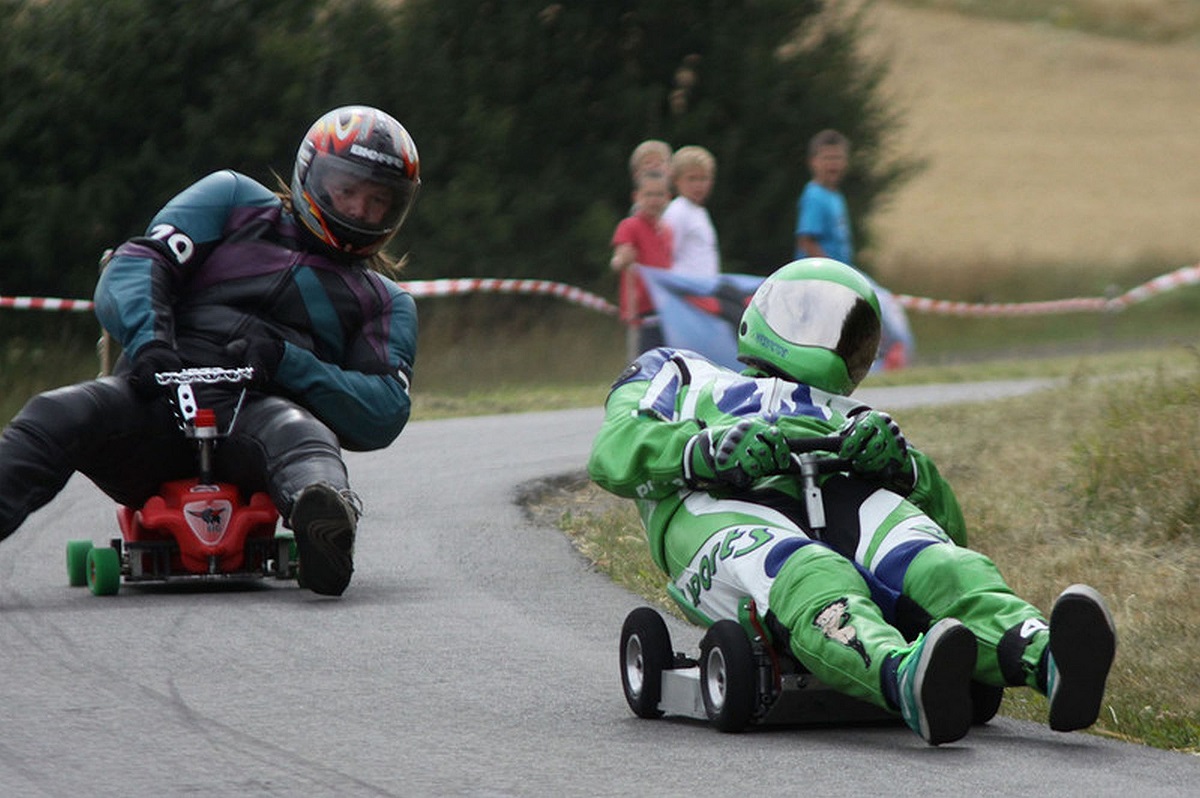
pixel 823 222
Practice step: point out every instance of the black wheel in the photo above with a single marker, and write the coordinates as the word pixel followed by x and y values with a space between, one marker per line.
pixel 985 702
pixel 727 676
pixel 645 653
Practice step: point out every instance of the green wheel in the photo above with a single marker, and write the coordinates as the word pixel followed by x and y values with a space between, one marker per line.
pixel 104 571
pixel 77 567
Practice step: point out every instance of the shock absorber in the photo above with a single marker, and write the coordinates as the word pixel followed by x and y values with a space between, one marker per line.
pixel 204 431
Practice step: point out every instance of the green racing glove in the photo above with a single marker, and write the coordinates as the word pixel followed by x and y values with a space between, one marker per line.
pixel 735 455
pixel 876 448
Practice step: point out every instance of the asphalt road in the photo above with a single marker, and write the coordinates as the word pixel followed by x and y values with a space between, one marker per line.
pixel 475 654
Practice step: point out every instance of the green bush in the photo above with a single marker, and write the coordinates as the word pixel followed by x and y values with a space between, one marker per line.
pixel 524 113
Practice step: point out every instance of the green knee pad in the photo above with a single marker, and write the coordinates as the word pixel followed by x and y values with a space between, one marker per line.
pixel 837 632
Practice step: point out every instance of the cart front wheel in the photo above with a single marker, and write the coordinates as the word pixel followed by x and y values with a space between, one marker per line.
pixel 104 571
pixel 727 676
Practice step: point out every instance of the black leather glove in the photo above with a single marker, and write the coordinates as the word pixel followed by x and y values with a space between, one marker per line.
pixel 263 354
pixel 153 358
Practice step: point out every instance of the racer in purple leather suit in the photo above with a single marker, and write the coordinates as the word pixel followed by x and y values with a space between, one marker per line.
pixel 229 274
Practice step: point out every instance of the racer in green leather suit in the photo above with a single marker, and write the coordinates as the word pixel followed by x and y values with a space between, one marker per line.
pixel 703 451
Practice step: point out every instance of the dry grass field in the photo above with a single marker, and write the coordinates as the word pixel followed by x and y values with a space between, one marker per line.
pixel 1044 145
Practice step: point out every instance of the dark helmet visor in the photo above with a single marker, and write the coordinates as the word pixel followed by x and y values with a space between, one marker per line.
pixel 388 188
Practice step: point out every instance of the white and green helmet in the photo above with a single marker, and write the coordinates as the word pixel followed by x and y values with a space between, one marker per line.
pixel 815 321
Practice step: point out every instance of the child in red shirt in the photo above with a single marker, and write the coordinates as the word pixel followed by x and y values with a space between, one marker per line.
pixel 642 239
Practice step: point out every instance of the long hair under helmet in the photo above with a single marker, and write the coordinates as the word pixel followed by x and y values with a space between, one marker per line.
pixel 814 321
pixel 359 143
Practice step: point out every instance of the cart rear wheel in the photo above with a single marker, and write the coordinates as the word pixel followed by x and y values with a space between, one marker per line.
pixel 77 565
pixel 104 571
pixel 985 702
pixel 285 556
pixel 727 676
pixel 645 653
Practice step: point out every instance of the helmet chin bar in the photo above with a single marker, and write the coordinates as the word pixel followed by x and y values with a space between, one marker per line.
pixel 765 368
pixel 822 369
pixel 314 224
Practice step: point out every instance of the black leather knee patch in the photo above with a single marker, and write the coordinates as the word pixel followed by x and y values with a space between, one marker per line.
pixel 1010 653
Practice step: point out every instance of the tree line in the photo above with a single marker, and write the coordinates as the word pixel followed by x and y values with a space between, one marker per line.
pixel 524 113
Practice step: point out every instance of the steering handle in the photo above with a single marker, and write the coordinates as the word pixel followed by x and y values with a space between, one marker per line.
pixel 810 458
pixel 187 407
pixel 209 375
pixel 827 443
pixel 806 448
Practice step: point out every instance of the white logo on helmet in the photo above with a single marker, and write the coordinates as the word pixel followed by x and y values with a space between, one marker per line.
pixel 376 156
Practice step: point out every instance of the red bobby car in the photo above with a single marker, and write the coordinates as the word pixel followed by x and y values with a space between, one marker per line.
pixel 195 528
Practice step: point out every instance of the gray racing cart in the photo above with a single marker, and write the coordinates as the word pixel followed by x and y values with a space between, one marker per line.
pixel 743 677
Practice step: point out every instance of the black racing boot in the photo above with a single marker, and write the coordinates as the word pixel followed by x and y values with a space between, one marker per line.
pixel 933 683
pixel 324 520
pixel 1083 643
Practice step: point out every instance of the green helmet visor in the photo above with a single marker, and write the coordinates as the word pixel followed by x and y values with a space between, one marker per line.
pixel 823 314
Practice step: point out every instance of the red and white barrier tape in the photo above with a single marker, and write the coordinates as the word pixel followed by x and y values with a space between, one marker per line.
pixel 485 285
pixel 44 303
pixel 1187 275
pixel 945 307
pixel 418 288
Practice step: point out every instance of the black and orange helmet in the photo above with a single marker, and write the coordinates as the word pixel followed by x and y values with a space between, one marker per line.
pixel 358 143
